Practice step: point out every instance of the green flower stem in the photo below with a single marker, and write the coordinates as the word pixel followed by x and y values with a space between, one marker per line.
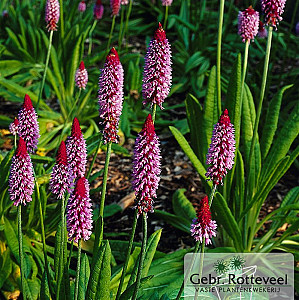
pixel 61 19
pixel 127 22
pixel 142 256
pixel 45 71
pixel 90 37
pixel 110 35
pixel 62 253
pixel 21 256
pixel 127 256
pixel 189 270
pixel 220 23
pixel 202 252
pixel 154 112
pixel 70 256
pixel 165 17
pixel 212 195
pixel 78 269
pixel 121 29
pixel 259 109
pixel 94 159
pixel 43 229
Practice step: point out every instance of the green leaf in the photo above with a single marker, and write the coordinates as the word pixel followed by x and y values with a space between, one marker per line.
pixel 194 61
pixel 233 97
pixel 282 143
pixel 182 206
pixel 271 121
pixel 210 115
pixel 128 293
pixel 9 67
pixel 99 281
pixel 194 116
pixel 58 250
pixel 84 276
pixel 226 219
pixel 44 289
pixel 189 152
pixel 151 247
pixel 4 167
pixel 5 266
pixel 175 221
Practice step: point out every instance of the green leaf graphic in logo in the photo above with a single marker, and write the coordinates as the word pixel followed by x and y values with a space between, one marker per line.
pixel 237 263
pixel 220 266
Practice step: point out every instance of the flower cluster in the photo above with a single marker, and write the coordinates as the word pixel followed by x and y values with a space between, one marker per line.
pixel 76 151
pixel 273 9
pixel 13 127
pixel 21 180
pixel 52 14
pixel 146 167
pixel 115 6
pixel 111 96
pixel 28 127
pixel 81 76
pixel 203 226
pixel 82 6
pixel 79 212
pixel 157 70
pixel 221 153
pixel 98 10
pixel 248 24
pixel 166 2
pixel 124 2
pixel 60 179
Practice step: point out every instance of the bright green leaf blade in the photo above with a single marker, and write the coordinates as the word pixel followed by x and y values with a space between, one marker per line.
pixel 182 206
pixel 84 276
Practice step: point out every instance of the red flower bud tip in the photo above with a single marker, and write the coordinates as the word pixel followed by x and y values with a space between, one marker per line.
pixel 27 102
pixel 13 127
pixel 21 149
pixel 61 157
pixel 115 6
pixel 76 130
pixel 81 66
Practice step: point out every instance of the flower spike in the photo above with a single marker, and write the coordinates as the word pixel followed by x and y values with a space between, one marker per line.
pixel 13 127
pixel 273 9
pixel 28 127
pixel 166 2
pixel 157 70
pixel 81 76
pixel 79 212
pixel 248 24
pixel 221 153
pixel 146 167
pixel 76 151
pixel 115 6
pixel 60 179
pixel 110 96
pixel 203 226
pixel 98 10
pixel 52 14
pixel 21 180
pixel 82 6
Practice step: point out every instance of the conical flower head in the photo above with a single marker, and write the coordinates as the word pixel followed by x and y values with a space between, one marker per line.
pixel 81 76
pixel 157 70
pixel 111 96
pixel 82 6
pixel 115 6
pixel 166 2
pixel 52 14
pixel 203 226
pixel 21 180
pixel 76 151
pixel 248 24
pixel 98 10
pixel 28 127
pixel 146 167
pixel 273 9
pixel 60 179
pixel 221 153
pixel 79 212
pixel 13 127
